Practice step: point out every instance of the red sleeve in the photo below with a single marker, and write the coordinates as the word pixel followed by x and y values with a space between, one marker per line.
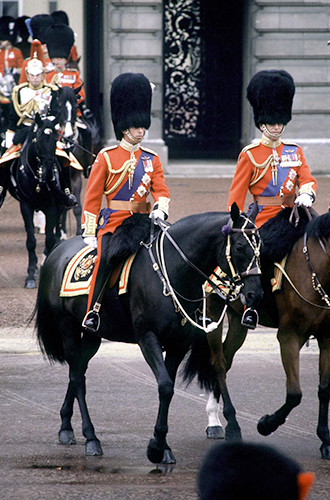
pixel 95 187
pixel 304 173
pixel 240 183
pixel 158 186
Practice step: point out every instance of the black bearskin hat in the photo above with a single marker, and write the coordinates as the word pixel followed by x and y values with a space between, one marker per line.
pixel 271 94
pixel 60 17
pixel 8 29
pixel 59 40
pixel 130 100
pixel 21 27
pixel 39 25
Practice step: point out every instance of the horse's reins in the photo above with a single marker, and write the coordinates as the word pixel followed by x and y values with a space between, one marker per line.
pixel 234 285
pixel 64 139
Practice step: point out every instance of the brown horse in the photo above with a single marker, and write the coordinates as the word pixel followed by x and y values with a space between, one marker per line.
pixel 299 310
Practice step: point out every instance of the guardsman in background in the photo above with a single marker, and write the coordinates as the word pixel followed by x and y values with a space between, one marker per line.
pixel 28 99
pixel 61 17
pixel 37 27
pixel 125 174
pixel 59 39
pixel 11 58
pixel 23 35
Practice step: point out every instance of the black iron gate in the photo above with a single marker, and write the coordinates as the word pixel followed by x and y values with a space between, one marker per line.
pixel 203 77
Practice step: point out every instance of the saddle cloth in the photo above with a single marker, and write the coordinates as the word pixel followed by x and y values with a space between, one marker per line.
pixel 78 273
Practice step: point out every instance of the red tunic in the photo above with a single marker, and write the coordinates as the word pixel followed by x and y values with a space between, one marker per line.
pixel 101 182
pixel 67 78
pixel 265 172
pixel 10 58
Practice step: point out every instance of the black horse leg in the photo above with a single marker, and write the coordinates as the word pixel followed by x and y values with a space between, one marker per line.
pixel 158 450
pixel 31 242
pixel 290 347
pixel 324 397
pixel 77 388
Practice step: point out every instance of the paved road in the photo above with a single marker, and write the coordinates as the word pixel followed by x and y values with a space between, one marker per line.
pixel 122 394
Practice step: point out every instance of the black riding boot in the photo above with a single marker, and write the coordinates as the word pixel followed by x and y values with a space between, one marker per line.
pixel 4 177
pixel 91 321
pixel 62 189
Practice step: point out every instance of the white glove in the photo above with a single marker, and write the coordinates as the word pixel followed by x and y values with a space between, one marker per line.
pixel 91 241
pixel 157 214
pixel 304 199
pixel 9 136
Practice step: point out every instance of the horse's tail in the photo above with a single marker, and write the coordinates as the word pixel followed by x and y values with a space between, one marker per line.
pixel 48 335
pixel 198 363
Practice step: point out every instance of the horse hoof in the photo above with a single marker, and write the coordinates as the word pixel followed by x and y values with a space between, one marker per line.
pixel 30 283
pixel 93 447
pixel 66 437
pixel 158 455
pixel 215 432
pixel 264 427
pixel 233 434
pixel 325 451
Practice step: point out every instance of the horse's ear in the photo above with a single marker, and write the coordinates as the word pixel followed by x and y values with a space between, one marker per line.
pixel 254 212
pixel 234 212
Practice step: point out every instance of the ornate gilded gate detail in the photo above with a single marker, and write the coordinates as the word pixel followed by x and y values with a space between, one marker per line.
pixel 182 66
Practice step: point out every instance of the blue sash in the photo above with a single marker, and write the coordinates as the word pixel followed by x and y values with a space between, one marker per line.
pixel 125 193
pixel 282 172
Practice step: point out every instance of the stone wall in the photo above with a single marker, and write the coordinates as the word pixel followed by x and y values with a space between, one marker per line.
pixel 293 35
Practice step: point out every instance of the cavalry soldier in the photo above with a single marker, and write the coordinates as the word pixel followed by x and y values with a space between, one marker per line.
pixel 125 174
pixel 271 169
pixel 37 27
pixel 30 98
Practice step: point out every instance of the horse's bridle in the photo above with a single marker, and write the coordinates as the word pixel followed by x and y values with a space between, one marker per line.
pixel 234 283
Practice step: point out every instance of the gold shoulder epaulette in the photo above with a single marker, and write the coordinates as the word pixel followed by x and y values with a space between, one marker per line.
pixel 290 143
pixel 20 86
pixel 72 69
pixel 104 150
pixel 147 150
pixel 250 146
pixel 51 86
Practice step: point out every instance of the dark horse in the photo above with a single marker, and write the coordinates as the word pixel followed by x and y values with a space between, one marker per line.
pixel 188 252
pixel 81 137
pixel 35 183
pixel 299 310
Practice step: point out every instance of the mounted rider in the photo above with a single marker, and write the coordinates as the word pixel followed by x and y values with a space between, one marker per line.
pixel 125 174
pixel 28 99
pixel 270 168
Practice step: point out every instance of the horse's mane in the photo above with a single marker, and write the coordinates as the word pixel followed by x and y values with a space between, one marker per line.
pixel 278 235
pixel 320 226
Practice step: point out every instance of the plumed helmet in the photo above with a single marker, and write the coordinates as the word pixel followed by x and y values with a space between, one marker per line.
pixel 130 100
pixel 39 25
pixel 59 39
pixel 8 29
pixel 36 51
pixel 270 93
pixel 60 17
pixel 21 27
pixel 34 67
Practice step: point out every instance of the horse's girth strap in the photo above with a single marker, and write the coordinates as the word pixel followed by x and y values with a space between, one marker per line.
pixel 131 206
pixel 274 201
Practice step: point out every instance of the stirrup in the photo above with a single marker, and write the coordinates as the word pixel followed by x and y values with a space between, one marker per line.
pixel 91 321
pixel 250 318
